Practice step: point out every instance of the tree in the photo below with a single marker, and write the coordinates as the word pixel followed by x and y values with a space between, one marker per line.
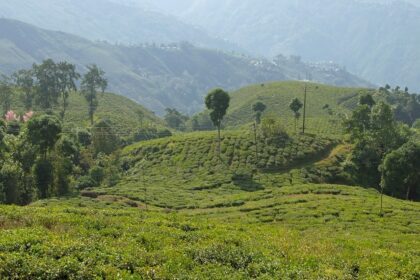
pixel 67 77
pixel 367 99
pixel 295 105
pixel 5 96
pixel 92 82
pixel 401 171
pixel 104 139
pixel 374 133
pixel 258 109
pixel 24 80
pixel 217 101
pixel 43 131
pixel 44 176
pixel 11 176
pixel 46 84
pixel 175 119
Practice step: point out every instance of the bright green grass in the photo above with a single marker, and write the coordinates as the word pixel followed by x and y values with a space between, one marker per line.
pixel 301 232
pixel 278 95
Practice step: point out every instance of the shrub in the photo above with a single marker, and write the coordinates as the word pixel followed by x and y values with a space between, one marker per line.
pixel 85 182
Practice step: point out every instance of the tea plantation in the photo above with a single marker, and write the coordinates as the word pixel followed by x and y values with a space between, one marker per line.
pixel 294 232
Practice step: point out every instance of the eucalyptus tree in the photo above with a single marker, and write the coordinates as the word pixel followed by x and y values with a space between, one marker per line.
pixel 92 82
pixel 67 77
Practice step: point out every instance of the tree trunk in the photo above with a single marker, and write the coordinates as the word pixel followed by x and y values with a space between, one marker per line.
pixel 408 192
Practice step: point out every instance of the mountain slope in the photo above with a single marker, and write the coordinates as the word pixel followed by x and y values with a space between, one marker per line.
pixel 174 75
pixel 377 41
pixel 108 20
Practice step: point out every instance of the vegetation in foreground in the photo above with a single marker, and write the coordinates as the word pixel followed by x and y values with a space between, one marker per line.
pixel 301 232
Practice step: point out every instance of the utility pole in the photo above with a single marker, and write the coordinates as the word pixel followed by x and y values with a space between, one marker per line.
pixel 304 110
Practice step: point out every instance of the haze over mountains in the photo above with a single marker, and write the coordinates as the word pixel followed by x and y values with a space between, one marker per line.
pixel 375 39
pixel 157 76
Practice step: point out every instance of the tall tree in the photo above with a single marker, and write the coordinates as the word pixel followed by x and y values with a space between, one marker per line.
pixel 258 109
pixel 295 105
pixel 24 80
pixel 217 101
pixel 92 82
pixel 5 96
pixel 46 84
pixel 67 77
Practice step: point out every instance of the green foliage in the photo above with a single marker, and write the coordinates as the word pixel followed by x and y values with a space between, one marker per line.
pixel 296 105
pixel 273 131
pixel 258 108
pixel 5 96
pixel 11 175
pixel 24 80
pixel 92 82
pixel 46 84
pixel 217 101
pixel 175 119
pixel 97 173
pixel 67 77
pixel 44 177
pixel 367 99
pixel 104 138
pixel 374 133
pixel 401 171
pixel 44 131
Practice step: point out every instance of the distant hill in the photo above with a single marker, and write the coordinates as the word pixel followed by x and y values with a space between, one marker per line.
pixel 158 76
pixel 324 104
pixel 108 20
pixel 376 39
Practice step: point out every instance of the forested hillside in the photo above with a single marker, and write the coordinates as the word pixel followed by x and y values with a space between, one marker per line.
pixel 157 76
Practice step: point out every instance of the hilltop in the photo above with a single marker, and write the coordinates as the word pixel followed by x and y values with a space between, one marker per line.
pixel 157 76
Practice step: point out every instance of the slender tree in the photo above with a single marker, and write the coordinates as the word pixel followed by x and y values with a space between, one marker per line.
pixel 92 82
pixel 217 101
pixel 24 80
pixel 67 77
pixel 295 106
pixel 46 84
pixel 5 96
pixel 258 109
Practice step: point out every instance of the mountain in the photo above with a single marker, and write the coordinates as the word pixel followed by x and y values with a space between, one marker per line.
pixel 108 20
pixel 158 76
pixel 377 40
